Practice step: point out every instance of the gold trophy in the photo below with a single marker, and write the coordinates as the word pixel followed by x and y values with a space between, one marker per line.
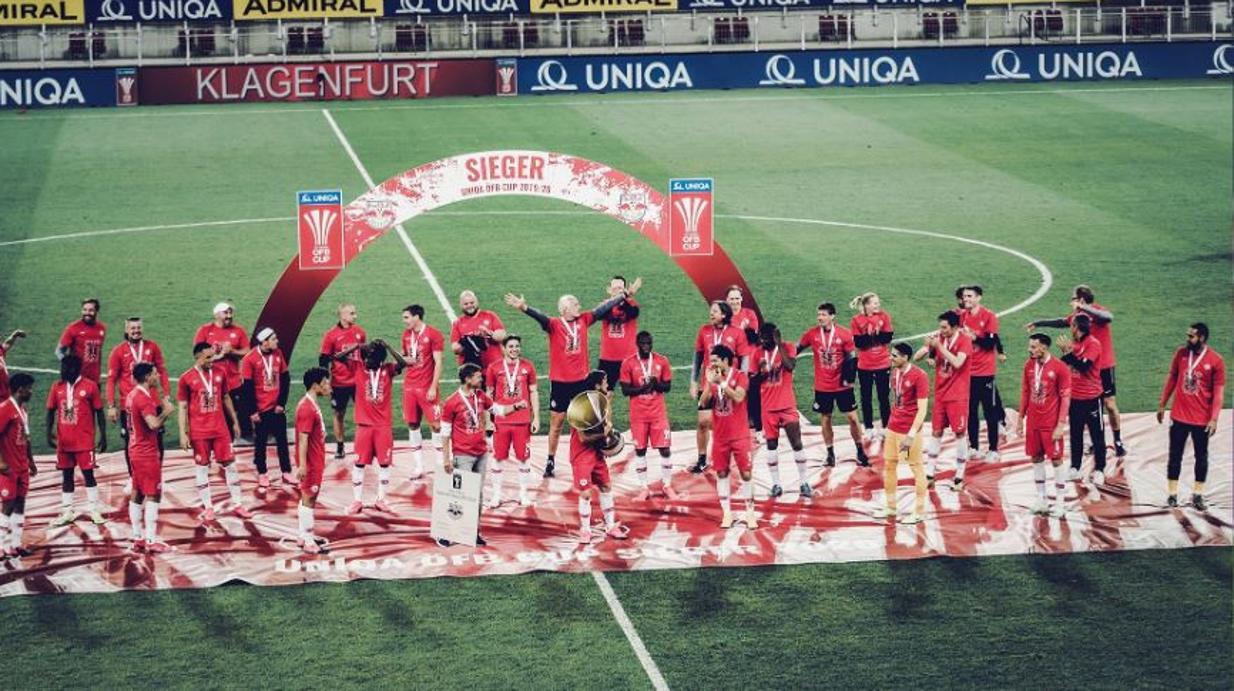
pixel 589 413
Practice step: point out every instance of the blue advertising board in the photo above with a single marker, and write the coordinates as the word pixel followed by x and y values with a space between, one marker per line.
pixel 437 8
pixel 756 5
pixel 57 88
pixel 130 11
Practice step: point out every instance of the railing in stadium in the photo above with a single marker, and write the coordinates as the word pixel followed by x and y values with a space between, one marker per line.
pixel 198 42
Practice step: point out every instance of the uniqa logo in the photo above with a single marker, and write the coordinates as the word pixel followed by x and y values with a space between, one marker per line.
pixel 150 10
pixel 552 76
pixel 1221 61
pixel 1005 64
pixel 780 71
pixel 635 76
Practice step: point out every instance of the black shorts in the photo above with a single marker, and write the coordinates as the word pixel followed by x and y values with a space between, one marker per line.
pixel 560 393
pixel 824 401
pixel 1108 389
pixel 340 396
pixel 612 370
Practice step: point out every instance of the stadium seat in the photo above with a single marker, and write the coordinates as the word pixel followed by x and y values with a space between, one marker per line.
pixel 833 27
pixel 314 40
pixel 509 35
pixel 295 39
pixel 531 35
pixel 410 38
pixel 98 44
pixel 77 46
pixel 629 32
pixel 202 41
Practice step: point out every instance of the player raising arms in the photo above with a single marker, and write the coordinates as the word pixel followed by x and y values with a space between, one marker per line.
pixel 1197 376
pixel 5 346
pixel 205 409
pixel 231 344
pixel 617 332
pixel 835 368
pixel 340 352
pixel 511 380
pixel 590 468
pixel 477 334
pixel 84 338
pixel 981 325
pixel 374 377
pixel 950 351
pixel 911 390
pixel 310 455
pixel 16 465
pixel 717 331
pixel 645 377
pixel 1082 353
pixel 422 351
pixel 124 357
pixel 74 411
pixel 568 360
pixel 724 392
pixel 746 321
pixel 773 365
pixel 1045 397
pixel 267 384
pixel 145 420
pixel 872 331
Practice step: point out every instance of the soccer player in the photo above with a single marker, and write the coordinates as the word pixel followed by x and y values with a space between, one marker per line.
pixel 422 351
pixel 231 344
pixel 477 334
pixel 568 360
pixel 645 377
pixel 84 338
pixel 120 363
pixel 908 414
pixel 374 420
pixel 205 410
pixel 872 331
pixel 591 473
pixel 5 347
pixel 725 393
pixel 981 326
pixel 340 352
pixel 310 455
pixel 617 332
pixel 835 368
pixel 746 321
pixel 1083 302
pixel 717 331
pixel 1045 397
pixel 950 351
pixel 145 420
pixel 1082 353
pixel 511 380
pixel 1197 376
pixel 774 362
pixel 74 412
pixel 463 421
pixel 267 384
pixel 16 465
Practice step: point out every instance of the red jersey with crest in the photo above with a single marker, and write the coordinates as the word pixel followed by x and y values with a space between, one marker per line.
pixel 876 357
pixel 124 358
pixel 776 389
pixel 1102 332
pixel 729 336
pixel 464 415
pixel 14 436
pixel 336 340
pixel 1197 381
pixel 728 418
pixel 203 390
pixel 1042 389
pixel 1085 386
pixel 143 439
pixel 906 389
pixel 637 371
pixel 418 347
pixel 983 323
pixel 745 320
pixel 86 342
pixel 235 337
pixel 617 332
pixel 476 325
pixel 951 383
pixel 75 407
pixel 567 348
pixel 264 370
pixel 308 421
pixel 511 383
pixel 831 349
pixel 375 394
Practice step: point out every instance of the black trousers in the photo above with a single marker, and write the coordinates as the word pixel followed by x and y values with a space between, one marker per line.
pixel 1087 415
pixel 242 412
pixel 984 394
pixel 272 424
pixel 868 380
pixel 612 372
pixel 754 405
pixel 1179 431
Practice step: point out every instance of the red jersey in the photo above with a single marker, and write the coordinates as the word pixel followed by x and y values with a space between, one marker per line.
pixel 264 370
pixel 4 374
pixel 203 390
pixel 567 348
pixel 617 332
pixel 729 336
pixel 86 342
pixel 308 421
pixel 1102 332
pixel 1085 386
pixel 418 347
pixel 831 349
pixel 745 320
pixel 877 356
pixel 509 384
pixel 124 358
pixel 235 337
pixel 1043 388
pixel 464 415
pixel 336 340
pixel 478 324
pixel 728 418
pixel 951 383
pixel 1197 380
pixel 906 389
pixel 983 323
pixel 75 407
pixel 143 439
pixel 636 371
pixel 375 394
pixel 776 388
pixel 15 435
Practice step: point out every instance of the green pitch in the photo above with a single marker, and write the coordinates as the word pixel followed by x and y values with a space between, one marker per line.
pixel 1126 188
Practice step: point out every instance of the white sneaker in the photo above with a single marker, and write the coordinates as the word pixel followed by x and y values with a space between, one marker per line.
pixel 993 457
pixel 1041 507
pixel 974 454
pixel 1075 475
pixel 1098 477
pixel 66 517
pixel 912 519
pixel 492 501
pixel 883 512
pixel 523 499
pixel 1058 510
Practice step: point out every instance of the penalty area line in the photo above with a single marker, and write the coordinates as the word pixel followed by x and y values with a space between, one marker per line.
pixel 627 627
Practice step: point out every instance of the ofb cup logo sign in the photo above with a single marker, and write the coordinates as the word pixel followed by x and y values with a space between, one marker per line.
pixel 690 225
pixel 507 77
pixel 320 221
pixel 126 86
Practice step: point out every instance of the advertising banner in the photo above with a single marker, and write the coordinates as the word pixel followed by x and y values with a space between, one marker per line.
pixel 433 8
pixel 317 81
pixel 749 5
pixel 38 12
pixel 690 222
pixel 128 11
pixel 305 9
pixel 507 77
pixel 319 219
pixel 58 88
pixel 127 93
pixel 597 6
